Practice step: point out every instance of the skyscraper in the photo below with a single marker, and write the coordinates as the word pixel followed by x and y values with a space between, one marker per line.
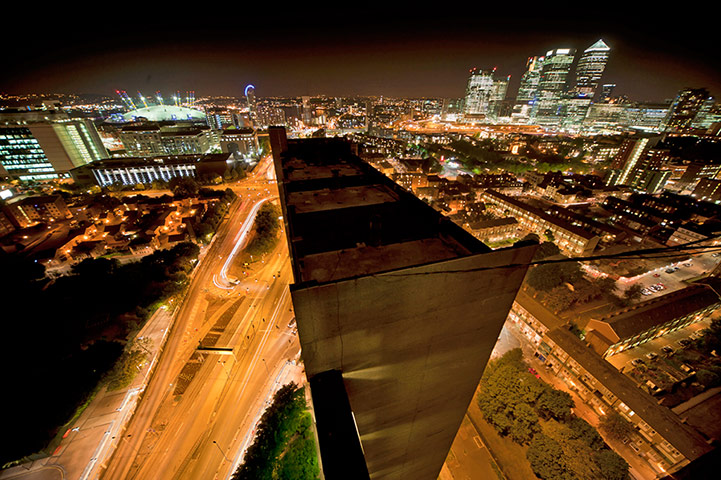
pixel 590 68
pixel 553 85
pixel 528 90
pixel 397 309
pixel 607 91
pixel 685 107
pixel 478 92
pixel 498 95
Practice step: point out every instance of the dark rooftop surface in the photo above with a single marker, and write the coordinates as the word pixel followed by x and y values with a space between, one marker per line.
pixel 345 219
pixel 645 315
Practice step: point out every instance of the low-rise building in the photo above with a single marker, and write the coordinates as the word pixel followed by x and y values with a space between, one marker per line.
pixel 647 320
pixel 30 210
pixel 494 230
pixel 145 170
pixel 666 443
pixel 571 239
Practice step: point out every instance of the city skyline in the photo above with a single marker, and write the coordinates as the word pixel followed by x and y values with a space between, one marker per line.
pixel 332 54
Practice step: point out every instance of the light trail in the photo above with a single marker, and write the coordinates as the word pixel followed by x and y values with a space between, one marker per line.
pixel 240 241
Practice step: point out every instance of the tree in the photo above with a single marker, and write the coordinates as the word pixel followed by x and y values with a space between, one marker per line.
pixel 183 187
pixel 615 426
pixel 606 285
pixel 582 430
pixel 545 250
pixel 555 404
pixel 611 465
pixel 633 292
pixel 550 275
pixel 707 378
pixel 546 458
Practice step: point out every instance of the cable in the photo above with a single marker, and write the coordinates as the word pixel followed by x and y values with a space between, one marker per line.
pixel 644 254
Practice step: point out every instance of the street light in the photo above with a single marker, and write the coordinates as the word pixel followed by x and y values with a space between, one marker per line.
pixel 221 450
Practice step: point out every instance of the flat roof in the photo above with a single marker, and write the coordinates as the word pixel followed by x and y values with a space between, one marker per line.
pixel 345 219
pixel 691 444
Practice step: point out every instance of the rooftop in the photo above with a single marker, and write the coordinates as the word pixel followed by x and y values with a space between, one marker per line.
pixel 638 318
pixel 346 220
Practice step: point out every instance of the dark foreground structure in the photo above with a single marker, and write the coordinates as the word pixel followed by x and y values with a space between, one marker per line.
pixel 398 310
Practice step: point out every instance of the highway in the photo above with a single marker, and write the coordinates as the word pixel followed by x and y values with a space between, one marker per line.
pixel 198 430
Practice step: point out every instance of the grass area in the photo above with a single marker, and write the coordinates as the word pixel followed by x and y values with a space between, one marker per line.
pixel 284 446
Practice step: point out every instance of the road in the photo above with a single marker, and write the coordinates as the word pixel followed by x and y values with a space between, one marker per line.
pixel 200 430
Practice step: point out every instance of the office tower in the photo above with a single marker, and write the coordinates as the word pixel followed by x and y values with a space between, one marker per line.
pixel 45 150
pixel 709 113
pixel 22 156
pixel 685 107
pixel 553 85
pixel 307 112
pixel 528 90
pixel 607 92
pixel 397 310
pixel 590 68
pixel 478 92
pixel 498 96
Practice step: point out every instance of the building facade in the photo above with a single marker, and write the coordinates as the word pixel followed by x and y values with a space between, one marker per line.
pixel 392 299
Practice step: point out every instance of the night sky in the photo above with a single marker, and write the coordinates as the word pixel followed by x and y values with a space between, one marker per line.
pixel 353 48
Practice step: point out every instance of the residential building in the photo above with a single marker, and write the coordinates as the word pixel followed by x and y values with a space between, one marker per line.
pixel 664 441
pixel 647 320
pixel 569 238
pixel 242 144
pixel 30 210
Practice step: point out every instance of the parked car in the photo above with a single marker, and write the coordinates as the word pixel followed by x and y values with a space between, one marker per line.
pixel 667 350
pixel 670 270
pixel 687 369
pixel 684 343
pixel 637 362
pixel 651 356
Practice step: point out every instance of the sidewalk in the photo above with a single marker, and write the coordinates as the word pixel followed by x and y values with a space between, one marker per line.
pixel 90 440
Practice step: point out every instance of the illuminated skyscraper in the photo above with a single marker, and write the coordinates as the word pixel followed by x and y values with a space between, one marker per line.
pixel 528 90
pixel 553 85
pixel 590 68
pixel 607 92
pixel 685 107
pixel 478 92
